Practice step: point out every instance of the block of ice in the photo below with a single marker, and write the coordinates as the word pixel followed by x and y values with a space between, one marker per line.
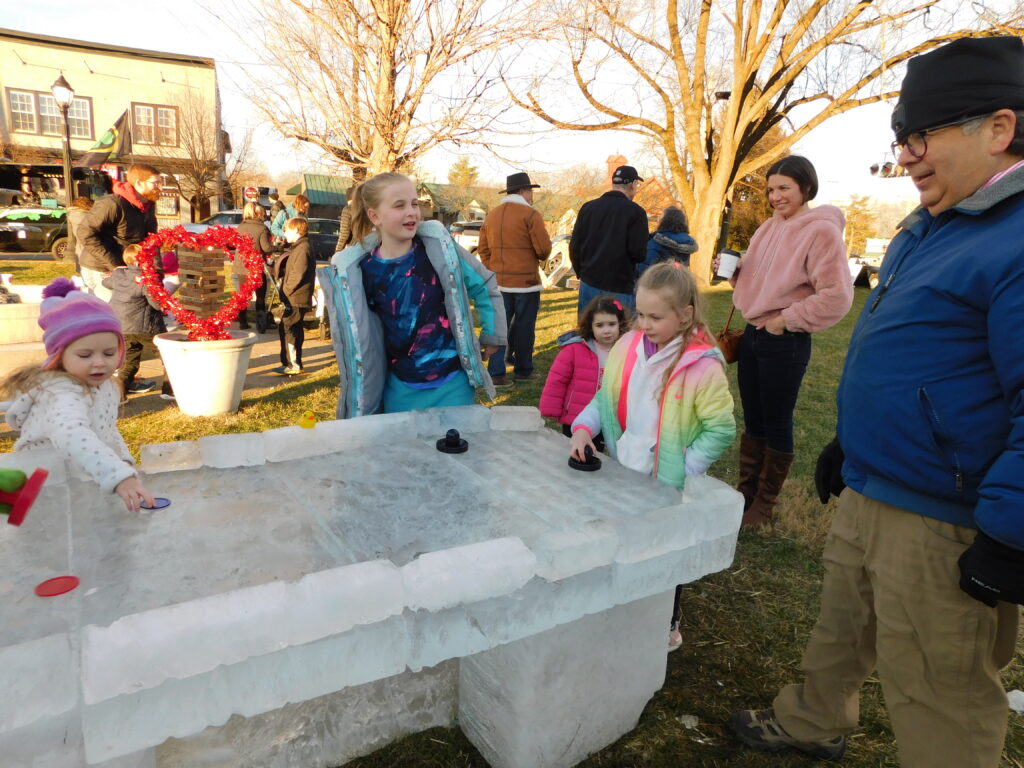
pixel 361 718
pixel 45 684
pixel 467 574
pixel 519 418
pixel 521 715
pixel 145 649
pixel 224 451
pixel 37 458
pixel 369 432
pixel 291 443
pixel 171 457
pixel 468 419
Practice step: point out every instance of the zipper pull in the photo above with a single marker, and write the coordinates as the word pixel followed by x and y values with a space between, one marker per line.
pixel 959 482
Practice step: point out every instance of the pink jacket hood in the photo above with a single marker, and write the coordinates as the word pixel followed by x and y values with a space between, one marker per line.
pixel 797 267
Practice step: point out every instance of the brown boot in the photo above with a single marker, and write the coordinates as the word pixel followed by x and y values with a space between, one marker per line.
pixel 776 469
pixel 751 464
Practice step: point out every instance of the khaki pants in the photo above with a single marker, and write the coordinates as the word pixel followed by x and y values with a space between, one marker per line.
pixel 891 601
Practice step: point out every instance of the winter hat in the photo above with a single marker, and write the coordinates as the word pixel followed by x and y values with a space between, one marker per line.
pixel 967 78
pixel 169 261
pixel 67 314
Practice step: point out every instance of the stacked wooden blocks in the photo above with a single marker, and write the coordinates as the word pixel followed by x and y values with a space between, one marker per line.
pixel 202 280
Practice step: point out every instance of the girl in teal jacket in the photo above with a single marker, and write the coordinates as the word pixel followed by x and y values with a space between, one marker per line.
pixel 399 305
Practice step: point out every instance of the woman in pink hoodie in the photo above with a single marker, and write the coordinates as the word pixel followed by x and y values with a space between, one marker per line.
pixel 792 281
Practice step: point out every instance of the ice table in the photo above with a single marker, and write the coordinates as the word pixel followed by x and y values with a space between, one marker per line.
pixel 312 594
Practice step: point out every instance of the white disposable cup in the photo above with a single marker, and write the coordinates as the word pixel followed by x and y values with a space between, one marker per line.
pixel 727 263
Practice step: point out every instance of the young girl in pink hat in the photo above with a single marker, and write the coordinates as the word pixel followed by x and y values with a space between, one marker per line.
pixel 69 403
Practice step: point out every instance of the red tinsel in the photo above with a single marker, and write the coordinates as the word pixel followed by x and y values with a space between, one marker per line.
pixel 235 245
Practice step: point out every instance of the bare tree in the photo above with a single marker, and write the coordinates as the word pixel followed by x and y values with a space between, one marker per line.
pixel 201 173
pixel 377 83
pixel 663 69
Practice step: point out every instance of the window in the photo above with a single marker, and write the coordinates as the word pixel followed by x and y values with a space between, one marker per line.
pixel 155 124
pixel 23 111
pixel 37 112
pixel 143 133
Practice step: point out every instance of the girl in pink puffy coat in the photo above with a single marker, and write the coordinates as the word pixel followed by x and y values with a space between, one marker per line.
pixel 575 376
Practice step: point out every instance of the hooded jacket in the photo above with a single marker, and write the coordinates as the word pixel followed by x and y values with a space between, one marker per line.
pixel 138 312
pixel 695 407
pixel 80 423
pixel 573 380
pixel 931 401
pixel 116 220
pixel 357 333
pixel 797 267
pixel 662 246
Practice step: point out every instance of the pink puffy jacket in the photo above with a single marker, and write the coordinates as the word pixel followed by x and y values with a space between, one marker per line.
pixel 573 380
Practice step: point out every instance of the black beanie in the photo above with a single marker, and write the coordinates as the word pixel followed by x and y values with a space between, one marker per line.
pixel 966 78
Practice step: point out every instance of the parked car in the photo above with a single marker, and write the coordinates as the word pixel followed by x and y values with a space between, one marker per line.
pixel 466 234
pixel 220 219
pixel 323 238
pixel 34 229
pixel 557 268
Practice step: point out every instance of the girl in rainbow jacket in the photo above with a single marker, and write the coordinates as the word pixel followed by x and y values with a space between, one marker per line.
pixel 664 404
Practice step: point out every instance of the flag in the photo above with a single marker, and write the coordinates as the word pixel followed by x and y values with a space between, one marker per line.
pixel 115 143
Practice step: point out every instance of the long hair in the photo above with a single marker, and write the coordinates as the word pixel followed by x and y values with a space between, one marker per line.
pixel 678 287
pixel 604 304
pixel 28 377
pixel 368 195
pixel 673 220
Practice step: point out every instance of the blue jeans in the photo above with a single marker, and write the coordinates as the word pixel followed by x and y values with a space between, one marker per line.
pixel 521 315
pixel 588 293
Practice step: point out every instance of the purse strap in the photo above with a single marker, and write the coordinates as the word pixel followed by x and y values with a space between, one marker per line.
pixel 729 320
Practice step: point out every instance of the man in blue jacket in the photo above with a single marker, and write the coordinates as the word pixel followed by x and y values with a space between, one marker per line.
pixel 925 557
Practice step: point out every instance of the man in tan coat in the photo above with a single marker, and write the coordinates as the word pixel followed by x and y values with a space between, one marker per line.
pixel 513 242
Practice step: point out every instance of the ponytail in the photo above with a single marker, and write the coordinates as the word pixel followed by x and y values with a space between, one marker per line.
pixel 368 195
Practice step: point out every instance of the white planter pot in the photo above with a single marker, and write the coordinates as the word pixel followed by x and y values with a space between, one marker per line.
pixel 207 376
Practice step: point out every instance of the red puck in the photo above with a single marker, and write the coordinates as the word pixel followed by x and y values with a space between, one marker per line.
pixel 57 586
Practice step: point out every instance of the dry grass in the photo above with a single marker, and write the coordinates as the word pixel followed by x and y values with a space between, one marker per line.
pixel 36 272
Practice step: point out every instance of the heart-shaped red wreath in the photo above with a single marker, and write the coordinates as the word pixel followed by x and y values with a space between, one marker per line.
pixel 235 246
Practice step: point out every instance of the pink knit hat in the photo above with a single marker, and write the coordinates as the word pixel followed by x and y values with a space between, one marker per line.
pixel 67 314
pixel 169 261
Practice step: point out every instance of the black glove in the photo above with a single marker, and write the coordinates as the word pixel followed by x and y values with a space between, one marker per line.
pixel 828 474
pixel 991 571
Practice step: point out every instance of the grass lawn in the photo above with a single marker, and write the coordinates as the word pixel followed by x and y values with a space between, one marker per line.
pixel 36 272
pixel 743 629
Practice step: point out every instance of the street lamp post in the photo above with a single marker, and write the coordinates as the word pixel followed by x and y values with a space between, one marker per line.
pixel 64 94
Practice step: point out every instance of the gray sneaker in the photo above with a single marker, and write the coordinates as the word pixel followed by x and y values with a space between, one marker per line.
pixel 758 729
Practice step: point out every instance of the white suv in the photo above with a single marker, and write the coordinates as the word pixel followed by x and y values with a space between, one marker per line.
pixel 466 234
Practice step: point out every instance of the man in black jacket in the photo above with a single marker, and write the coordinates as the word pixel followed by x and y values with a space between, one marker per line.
pixel 609 240
pixel 125 217
pixel 295 276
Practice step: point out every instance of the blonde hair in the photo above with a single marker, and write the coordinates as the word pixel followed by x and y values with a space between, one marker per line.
pixel 369 195
pixel 130 254
pixel 298 224
pixel 28 377
pixel 253 211
pixel 677 286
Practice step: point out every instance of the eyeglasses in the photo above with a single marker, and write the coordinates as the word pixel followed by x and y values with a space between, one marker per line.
pixel 917 142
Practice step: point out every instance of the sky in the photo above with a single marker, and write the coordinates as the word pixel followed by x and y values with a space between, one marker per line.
pixel 842 149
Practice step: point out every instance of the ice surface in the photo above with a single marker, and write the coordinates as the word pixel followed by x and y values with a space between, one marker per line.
pixel 467 574
pixel 356 552
pixel 226 451
pixel 549 700
pixel 171 457
pixel 515 417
